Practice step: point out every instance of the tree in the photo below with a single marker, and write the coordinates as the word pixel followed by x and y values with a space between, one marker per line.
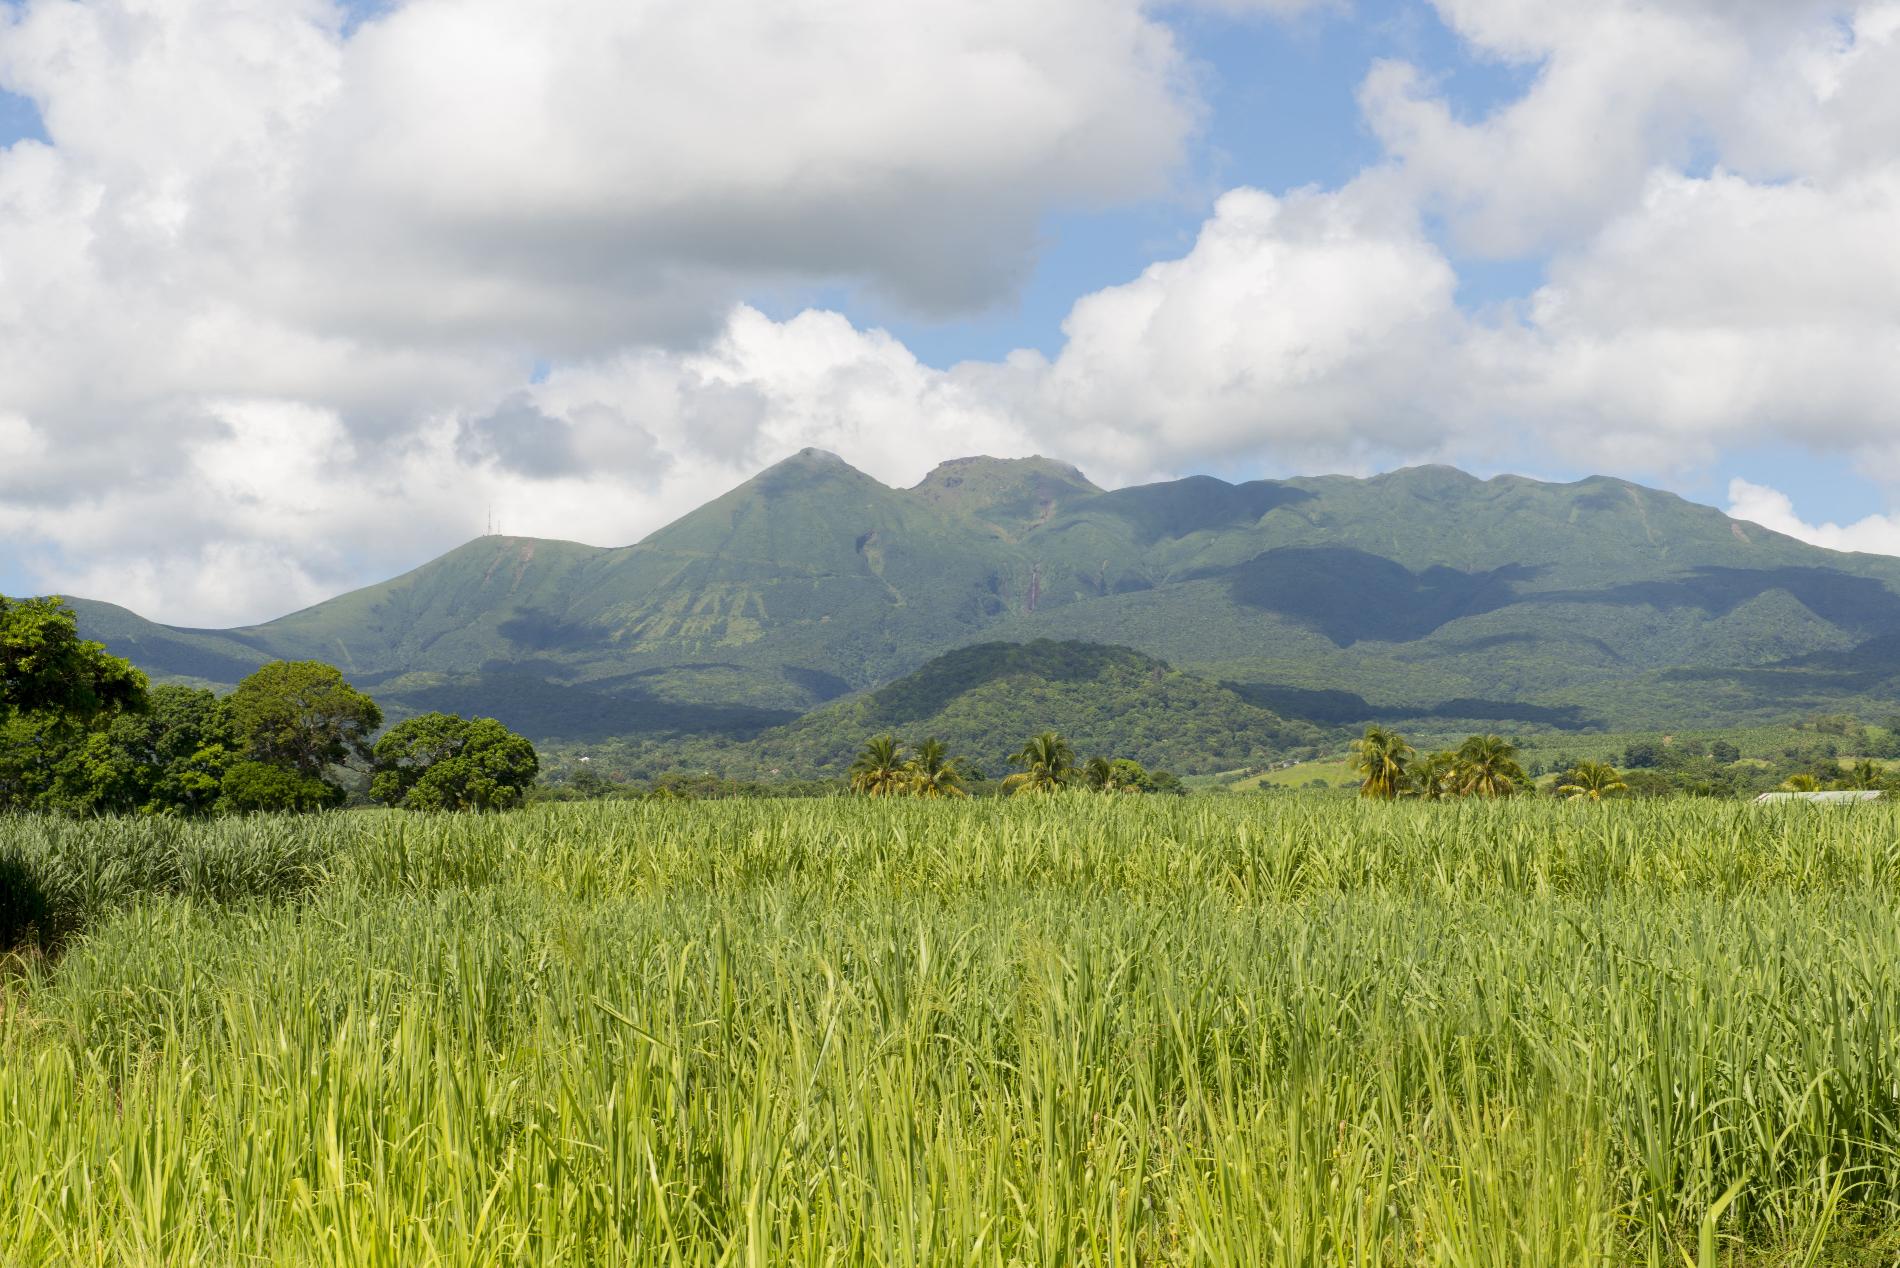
pixel 300 715
pixel 1380 756
pixel 1725 752
pixel 1433 776
pixel 1802 783
pixel 249 787
pixel 1643 755
pixel 438 761
pixel 1592 781
pixel 169 759
pixel 1487 767
pixel 880 770
pixel 1865 776
pixel 54 687
pixel 1165 782
pixel 934 773
pixel 1047 762
pixel 1121 775
pixel 45 667
pixel 588 783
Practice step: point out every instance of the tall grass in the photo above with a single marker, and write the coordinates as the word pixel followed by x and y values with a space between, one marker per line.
pixel 58 875
pixel 1079 1031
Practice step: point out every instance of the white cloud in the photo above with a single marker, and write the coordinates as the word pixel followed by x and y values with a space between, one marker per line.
pixel 248 212
pixel 573 173
pixel 1275 8
pixel 269 300
pixel 1619 89
pixel 1773 509
pixel 1302 325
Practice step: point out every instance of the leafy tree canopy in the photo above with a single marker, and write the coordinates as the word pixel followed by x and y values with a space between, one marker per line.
pixel 302 716
pixel 45 667
pixel 438 761
pixel 263 786
pixel 170 759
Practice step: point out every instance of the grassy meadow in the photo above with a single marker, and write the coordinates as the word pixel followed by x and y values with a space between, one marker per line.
pixel 1066 1030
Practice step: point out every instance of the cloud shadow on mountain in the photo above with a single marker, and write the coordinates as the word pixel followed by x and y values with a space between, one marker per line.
pixel 1840 598
pixel 1351 596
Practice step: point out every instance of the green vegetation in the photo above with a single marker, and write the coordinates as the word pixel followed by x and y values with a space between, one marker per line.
pixel 1049 1030
pixel 883 770
pixel 55 688
pixel 1390 768
pixel 880 770
pixel 1487 766
pixel 1383 757
pixel 1424 600
pixel 1048 765
pixel 301 718
pixel 1739 764
pixel 46 669
pixel 935 773
pixel 438 761
pixel 170 757
pixel 980 700
pixel 81 733
pixel 1591 781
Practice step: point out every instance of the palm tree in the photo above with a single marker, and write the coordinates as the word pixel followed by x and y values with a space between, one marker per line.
pixel 1803 782
pixel 1122 775
pixel 1592 781
pixel 934 773
pixel 1431 777
pixel 1047 764
pixel 1866 776
pixel 1487 767
pixel 879 770
pixel 1381 756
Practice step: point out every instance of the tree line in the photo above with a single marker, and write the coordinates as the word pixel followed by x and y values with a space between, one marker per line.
pixel 82 731
pixel 1483 766
pixel 885 768
pixel 1487 766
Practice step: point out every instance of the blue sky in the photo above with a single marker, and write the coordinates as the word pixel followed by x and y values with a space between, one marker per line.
pixel 286 263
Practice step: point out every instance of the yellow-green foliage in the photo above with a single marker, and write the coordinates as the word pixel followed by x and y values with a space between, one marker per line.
pixel 1041 1031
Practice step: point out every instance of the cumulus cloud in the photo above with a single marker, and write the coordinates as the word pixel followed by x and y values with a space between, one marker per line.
pixel 1305 324
pixel 1722 311
pixel 1619 88
pixel 247 206
pixel 277 336
pixel 1773 509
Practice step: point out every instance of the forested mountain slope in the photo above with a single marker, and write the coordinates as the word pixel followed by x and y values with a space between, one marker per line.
pixel 1423 592
pixel 1107 701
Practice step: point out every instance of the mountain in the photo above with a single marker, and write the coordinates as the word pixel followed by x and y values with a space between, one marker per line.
pixel 1013 496
pixel 1422 593
pixel 980 701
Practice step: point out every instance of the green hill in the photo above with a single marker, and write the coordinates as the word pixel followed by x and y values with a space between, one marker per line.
pixel 985 700
pixel 1420 593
